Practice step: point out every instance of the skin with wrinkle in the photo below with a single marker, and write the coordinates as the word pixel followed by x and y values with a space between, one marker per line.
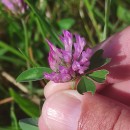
pixel 96 107
pixel 123 122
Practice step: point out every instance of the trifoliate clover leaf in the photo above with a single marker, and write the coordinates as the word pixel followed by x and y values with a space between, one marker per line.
pixel 86 85
pixel 99 75
pixel 97 60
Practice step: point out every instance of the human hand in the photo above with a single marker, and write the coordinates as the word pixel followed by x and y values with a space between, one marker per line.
pixel 108 109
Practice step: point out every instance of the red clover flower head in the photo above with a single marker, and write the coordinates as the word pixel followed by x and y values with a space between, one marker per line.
pixel 16 6
pixel 70 62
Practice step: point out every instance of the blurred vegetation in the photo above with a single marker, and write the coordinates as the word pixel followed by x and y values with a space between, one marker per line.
pixel 23 45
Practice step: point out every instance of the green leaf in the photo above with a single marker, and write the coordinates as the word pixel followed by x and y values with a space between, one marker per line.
pixel 28 59
pixel 92 17
pixel 44 24
pixel 14 121
pixel 99 75
pixel 13 60
pixel 2 51
pixel 123 14
pixel 97 60
pixel 107 13
pixel 66 23
pixel 33 74
pixel 86 85
pixel 25 104
pixel 29 124
pixel 11 49
pixel 9 128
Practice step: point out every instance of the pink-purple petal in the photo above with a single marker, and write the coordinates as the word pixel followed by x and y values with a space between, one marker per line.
pixel 52 62
pixel 16 6
pixel 89 52
pixel 65 77
pixel 67 39
pixel 48 76
pixel 76 65
pixel 67 56
pixel 54 57
pixel 69 62
pixel 63 70
pixel 78 47
pixel 86 55
pixel 82 69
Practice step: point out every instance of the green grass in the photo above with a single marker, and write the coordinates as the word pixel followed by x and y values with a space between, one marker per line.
pixel 95 20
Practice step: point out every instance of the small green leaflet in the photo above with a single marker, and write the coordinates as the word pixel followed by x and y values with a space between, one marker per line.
pixel 29 124
pixel 99 75
pixel 66 23
pixel 97 60
pixel 86 85
pixel 33 74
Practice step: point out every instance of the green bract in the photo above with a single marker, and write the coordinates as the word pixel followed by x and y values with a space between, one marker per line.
pixel 32 74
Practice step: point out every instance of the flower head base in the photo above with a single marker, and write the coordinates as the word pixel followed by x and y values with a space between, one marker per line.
pixel 16 6
pixel 70 62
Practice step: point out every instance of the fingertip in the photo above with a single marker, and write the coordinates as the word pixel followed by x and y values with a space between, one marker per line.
pixel 41 124
pixel 53 87
pixel 61 111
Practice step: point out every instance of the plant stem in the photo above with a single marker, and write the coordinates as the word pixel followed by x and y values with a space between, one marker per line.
pixel 27 49
pixel 13 117
pixel 25 37
pixel 107 11
pixel 91 15
pixel 85 25
pixel 11 49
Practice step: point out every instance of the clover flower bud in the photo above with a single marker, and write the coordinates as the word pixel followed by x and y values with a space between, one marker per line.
pixel 70 62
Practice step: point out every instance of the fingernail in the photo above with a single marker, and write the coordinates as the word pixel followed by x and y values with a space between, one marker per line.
pixel 62 111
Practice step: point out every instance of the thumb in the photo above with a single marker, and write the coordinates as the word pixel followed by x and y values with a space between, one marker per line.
pixel 101 113
pixel 117 48
pixel 61 111
pixel 68 110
